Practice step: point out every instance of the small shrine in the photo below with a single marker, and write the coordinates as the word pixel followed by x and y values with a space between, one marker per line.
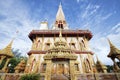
pixel 114 54
pixel 5 55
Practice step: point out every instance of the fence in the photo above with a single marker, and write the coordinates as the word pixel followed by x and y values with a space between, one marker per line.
pixel 99 76
pixel 96 76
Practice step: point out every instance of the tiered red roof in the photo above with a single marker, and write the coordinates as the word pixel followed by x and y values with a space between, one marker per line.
pixel 65 33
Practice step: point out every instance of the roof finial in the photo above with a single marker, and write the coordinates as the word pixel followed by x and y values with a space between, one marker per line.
pixel 60 15
pixel 8 50
pixel 97 57
pixel 113 50
pixel 60 5
pixel 60 33
pixel 110 42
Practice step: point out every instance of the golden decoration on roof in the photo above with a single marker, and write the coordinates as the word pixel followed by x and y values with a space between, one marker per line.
pixel 100 66
pixel 60 50
pixel 60 14
pixel 20 67
pixel 114 52
pixel 7 51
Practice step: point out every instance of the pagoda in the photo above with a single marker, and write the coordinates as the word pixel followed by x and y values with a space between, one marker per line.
pixel 114 54
pixel 59 53
pixel 5 55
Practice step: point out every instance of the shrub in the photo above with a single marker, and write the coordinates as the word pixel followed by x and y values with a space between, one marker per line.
pixel 30 77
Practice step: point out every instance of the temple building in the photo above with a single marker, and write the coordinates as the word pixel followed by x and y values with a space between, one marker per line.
pixel 101 68
pixel 60 52
pixel 5 55
pixel 114 54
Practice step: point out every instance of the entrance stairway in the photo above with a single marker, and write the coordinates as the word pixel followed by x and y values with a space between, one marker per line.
pixel 60 77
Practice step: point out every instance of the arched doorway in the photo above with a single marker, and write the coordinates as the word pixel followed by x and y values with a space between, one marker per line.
pixel 60 69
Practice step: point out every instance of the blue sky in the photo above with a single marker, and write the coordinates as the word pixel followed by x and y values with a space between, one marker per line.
pixel 101 17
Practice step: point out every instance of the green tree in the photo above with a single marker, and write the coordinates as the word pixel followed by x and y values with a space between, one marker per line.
pixel 30 77
pixel 109 68
pixel 3 63
pixel 12 64
pixel 118 63
pixel 14 61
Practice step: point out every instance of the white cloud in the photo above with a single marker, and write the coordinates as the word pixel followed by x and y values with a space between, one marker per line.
pixel 117 26
pixel 17 19
pixel 80 1
pixel 92 19
pixel 100 45
pixel 106 16
pixel 90 10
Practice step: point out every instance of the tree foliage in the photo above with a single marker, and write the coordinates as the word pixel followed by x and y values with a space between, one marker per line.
pixel 12 64
pixel 3 63
pixel 32 76
pixel 118 63
pixel 14 61
pixel 109 68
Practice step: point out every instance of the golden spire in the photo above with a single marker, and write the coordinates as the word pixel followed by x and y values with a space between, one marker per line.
pixel 98 59
pixel 98 62
pixel 7 50
pixel 60 21
pixel 60 14
pixel 100 67
pixel 60 40
pixel 113 50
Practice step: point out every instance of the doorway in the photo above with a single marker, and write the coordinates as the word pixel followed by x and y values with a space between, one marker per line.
pixel 60 70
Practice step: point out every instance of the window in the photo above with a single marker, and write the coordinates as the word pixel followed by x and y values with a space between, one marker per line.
pixel 83 43
pixel 72 45
pixel 60 26
pixel 76 67
pixel 44 67
pixel 56 22
pixel 47 46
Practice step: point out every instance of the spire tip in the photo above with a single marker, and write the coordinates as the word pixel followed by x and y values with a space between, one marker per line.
pixel 60 5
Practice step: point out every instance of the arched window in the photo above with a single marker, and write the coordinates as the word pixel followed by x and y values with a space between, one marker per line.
pixel 47 44
pixel 76 67
pixel 83 43
pixel 43 67
pixel 72 44
pixel 56 22
pixel 60 25
pixel 87 65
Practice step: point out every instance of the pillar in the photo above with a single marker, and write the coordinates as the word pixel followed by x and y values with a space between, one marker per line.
pixel 72 70
pixel 48 70
pixel 5 66
pixel 2 57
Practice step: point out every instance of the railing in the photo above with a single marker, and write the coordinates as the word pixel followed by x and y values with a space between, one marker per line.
pixel 10 76
pixel 87 76
pixel 99 76
pixel 63 31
